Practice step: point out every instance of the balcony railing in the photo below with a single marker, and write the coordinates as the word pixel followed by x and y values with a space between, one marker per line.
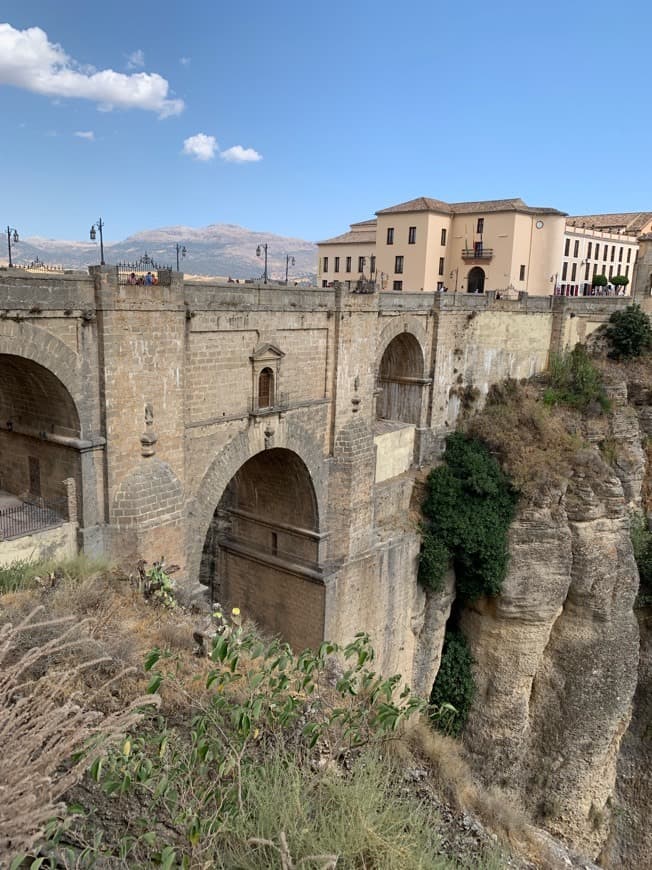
pixel 479 253
pixel 32 517
pixel 270 405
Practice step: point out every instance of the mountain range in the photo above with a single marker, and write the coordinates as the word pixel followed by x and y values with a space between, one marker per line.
pixel 223 250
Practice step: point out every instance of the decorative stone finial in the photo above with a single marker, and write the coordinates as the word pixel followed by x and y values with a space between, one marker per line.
pixel 149 438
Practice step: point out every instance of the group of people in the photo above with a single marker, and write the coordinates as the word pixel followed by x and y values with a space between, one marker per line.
pixel 142 280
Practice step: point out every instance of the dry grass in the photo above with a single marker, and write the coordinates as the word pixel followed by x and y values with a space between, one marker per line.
pixel 533 442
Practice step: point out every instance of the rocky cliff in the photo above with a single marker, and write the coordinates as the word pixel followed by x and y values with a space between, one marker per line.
pixel 562 714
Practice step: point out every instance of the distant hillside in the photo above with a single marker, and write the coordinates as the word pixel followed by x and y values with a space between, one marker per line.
pixel 219 249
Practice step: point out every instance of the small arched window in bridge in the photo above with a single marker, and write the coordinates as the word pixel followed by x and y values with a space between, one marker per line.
pixel 266 388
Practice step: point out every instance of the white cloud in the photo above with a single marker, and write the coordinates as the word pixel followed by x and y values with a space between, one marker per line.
pixel 29 60
pixel 136 59
pixel 238 154
pixel 184 61
pixel 200 146
pixel 85 134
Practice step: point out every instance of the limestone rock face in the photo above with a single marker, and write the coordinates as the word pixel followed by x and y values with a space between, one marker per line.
pixel 557 653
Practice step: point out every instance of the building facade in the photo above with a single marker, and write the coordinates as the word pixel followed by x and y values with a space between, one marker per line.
pixel 600 244
pixel 427 245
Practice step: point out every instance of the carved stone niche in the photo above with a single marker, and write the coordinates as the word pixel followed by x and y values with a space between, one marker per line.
pixel 265 371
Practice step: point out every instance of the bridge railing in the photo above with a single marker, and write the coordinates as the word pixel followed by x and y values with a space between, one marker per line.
pixel 33 516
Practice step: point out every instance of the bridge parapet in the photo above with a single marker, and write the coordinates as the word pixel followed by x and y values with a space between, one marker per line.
pixel 205 296
pixel 22 290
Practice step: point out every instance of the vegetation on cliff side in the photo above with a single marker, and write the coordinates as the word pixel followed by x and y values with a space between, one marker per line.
pixel 629 332
pixel 469 505
pixel 454 684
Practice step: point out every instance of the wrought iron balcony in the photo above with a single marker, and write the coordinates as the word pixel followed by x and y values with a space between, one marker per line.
pixel 477 253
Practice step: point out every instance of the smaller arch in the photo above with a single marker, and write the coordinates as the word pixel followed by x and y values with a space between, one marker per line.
pixel 475 280
pixel 401 380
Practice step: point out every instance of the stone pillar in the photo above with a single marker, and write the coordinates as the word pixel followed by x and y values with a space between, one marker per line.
pixel 642 278
pixel 71 498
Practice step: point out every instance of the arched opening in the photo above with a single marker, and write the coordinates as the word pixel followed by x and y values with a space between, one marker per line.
pixel 39 438
pixel 262 549
pixel 475 281
pixel 401 380
pixel 266 388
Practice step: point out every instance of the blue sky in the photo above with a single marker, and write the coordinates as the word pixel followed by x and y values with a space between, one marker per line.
pixel 314 115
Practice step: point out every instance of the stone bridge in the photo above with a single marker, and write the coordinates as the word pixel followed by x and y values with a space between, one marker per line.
pixel 265 438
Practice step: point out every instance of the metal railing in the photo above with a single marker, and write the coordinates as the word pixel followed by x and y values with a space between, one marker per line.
pixel 265 404
pixel 38 266
pixel 144 272
pixel 477 253
pixel 28 517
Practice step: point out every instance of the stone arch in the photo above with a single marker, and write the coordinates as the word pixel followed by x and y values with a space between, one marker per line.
pixel 475 280
pixel 401 381
pixel 49 352
pixel 397 326
pixel 262 550
pixel 40 432
pixel 201 507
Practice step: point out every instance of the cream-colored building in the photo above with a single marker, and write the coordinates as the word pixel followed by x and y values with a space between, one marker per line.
pixel 427 244
pixel 600 244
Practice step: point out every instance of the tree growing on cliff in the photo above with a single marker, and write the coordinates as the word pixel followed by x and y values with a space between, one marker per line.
pixel 468 509
pixel 629 332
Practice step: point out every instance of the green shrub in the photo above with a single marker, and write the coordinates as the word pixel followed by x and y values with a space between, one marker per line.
pixel 642 544
pixel 629 332
pixel 23 573
pixel 454 684
pixel 575 381
pixel 16 575
pixel 600 281
pixel 468 508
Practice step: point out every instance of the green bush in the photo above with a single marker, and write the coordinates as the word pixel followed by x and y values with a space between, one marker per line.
pixel 469 505
pixel 454 684
pixel 23 574
pixel 642 544
pixel 629 332
pixel 600 281
pixel 575 381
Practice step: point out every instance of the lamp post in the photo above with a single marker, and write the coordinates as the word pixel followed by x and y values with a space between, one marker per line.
pixel 12 236
pixel 289 261
pixel 181 250
pixel 455 272
pixel 98 226
pixel 260 249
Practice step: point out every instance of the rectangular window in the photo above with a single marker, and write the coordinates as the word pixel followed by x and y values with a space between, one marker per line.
pixel 597 251
pixel 576 248
pixel 480 227
pixel 611 271
pixel 361 262
pixel 521 274
pixel 573 271
pixel 337 265
pixel 627 271
pixel 441 266
pixel 397 285
pixel 324 283
pixel 567 248
pixel 564 271
pixel 412 236
pixel 629 255
pixel 588 251
pixel 348 264
pixel 372 266
pixel 595 269
pixel 620 255
pixel 325 264
pixel 443 235
pixel 613 252
pixel 586 272
pixel 398 265
pixel 390 235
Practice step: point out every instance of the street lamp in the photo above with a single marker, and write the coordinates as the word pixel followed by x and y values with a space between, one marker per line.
pixel 181 249
pixel 455 272
pixel 99 226
pixel 12 236
pixel 259 249
pixel 289 261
